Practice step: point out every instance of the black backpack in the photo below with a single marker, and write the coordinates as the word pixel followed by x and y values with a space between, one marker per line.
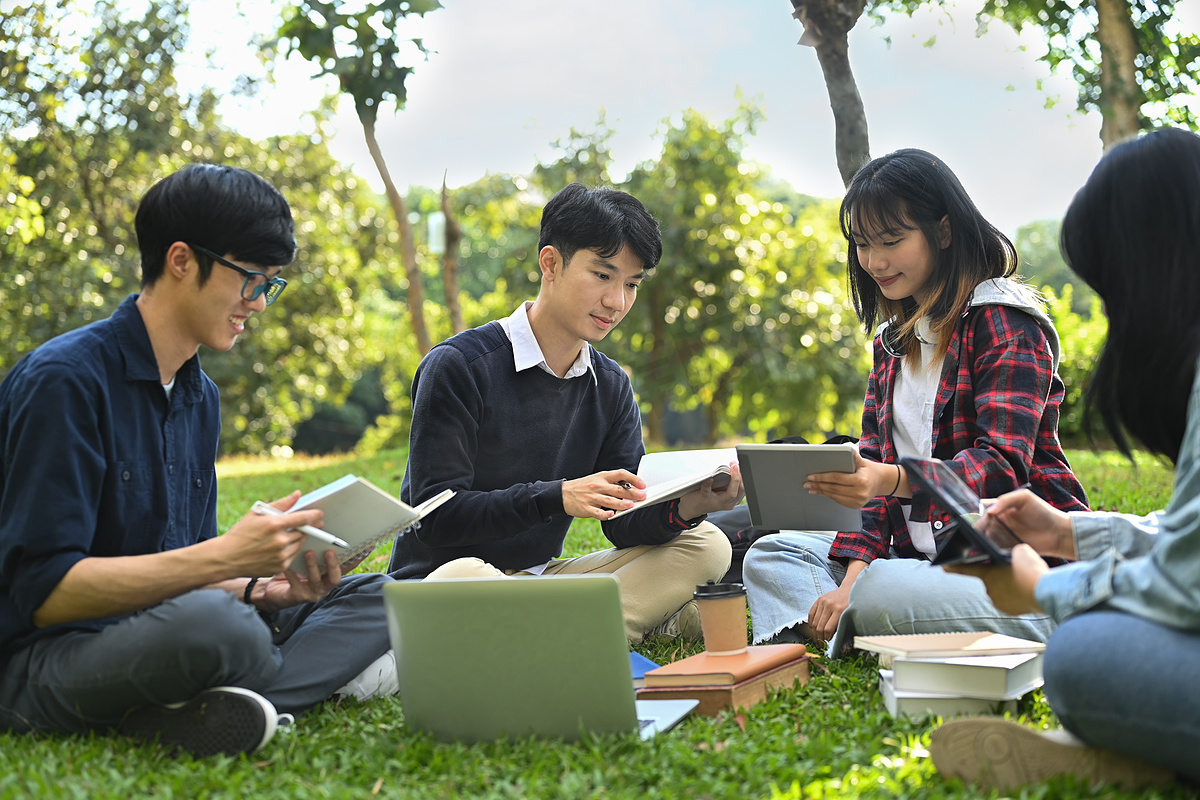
pixel 735 523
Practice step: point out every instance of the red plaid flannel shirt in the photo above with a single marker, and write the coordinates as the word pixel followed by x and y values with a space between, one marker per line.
pixel 995 424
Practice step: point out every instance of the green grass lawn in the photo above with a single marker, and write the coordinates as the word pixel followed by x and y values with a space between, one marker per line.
pixel 832 738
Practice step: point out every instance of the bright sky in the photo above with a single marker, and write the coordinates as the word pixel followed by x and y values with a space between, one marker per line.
pixel 508 79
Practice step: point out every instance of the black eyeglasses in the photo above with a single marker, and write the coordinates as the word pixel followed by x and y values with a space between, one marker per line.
pixel 256 283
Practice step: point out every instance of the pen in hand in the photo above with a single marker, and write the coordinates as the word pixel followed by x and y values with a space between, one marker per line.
pixel 328 538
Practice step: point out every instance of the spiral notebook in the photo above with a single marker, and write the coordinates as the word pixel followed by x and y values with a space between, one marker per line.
pixel 362 514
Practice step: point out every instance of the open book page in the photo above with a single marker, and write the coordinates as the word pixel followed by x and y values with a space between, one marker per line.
pixel 671 465
pixel 362 514
pixel 670 475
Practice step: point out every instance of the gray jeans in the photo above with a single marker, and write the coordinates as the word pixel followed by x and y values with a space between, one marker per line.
pixel 785 573
pixel 88 680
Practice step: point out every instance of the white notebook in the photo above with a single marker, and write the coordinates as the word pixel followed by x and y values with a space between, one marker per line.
pixel 673 474
pixel 362 514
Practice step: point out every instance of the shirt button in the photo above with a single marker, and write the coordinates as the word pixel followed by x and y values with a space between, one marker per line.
pixel 125 475
pixel 171 469
pixel 199 483
pixel 937 526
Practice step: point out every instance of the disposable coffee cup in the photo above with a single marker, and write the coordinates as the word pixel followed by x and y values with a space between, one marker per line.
pixel 722 617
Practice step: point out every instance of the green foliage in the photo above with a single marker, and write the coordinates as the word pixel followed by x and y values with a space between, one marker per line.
pixel 359 43
pixel 829 739
pixel 747 316
pixel 108 120
pixel 1081 337
pixel 90 136
pixel 1042 263
pixel 586 157
pixel 1167 57
pixel 1166 66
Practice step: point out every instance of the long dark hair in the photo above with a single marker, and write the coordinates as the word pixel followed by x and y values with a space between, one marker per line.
pixel 915 190
pixel 1133 234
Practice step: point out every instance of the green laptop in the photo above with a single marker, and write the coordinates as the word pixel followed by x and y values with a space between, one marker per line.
pixel 484 658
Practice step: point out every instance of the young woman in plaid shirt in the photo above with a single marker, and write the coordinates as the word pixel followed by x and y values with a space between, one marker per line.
pixel 966 371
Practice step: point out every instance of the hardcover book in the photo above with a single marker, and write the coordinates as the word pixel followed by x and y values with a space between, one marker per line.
pixel 704 669
pixel 1002 677
pixel 745 694
pixel 919 704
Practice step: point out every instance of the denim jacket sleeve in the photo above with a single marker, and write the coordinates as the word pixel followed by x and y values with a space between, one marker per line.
pixel 1148 566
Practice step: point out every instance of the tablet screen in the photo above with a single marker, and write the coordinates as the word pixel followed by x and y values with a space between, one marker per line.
pixel 976 537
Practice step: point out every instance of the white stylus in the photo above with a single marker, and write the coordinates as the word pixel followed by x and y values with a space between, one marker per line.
pixel 328 538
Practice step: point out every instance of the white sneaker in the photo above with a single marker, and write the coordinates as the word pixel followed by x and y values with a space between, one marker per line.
pixel 683 624
pixel 224 719
pixel 377 680
pixel 1000 754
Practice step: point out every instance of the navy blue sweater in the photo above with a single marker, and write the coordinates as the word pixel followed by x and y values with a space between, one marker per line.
pixel 505 441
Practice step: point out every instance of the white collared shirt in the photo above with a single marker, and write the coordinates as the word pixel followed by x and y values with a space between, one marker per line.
pixel 527 352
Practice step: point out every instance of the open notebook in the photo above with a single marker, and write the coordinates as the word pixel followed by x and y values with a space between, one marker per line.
pixel 481 658
pixel 362 514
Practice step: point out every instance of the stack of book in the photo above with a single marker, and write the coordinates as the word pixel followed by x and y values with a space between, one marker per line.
pixel 952 674
pixel 727 682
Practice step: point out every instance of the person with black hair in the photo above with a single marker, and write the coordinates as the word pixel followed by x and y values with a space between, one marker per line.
pixel 1119 668
pixel 533 427
pixel 120 606
pixel 966 371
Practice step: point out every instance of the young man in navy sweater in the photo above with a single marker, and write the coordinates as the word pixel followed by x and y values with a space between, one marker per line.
pixel 532 426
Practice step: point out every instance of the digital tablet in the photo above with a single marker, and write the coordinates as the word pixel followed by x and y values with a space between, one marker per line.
pixel 774 476
pixel 974 537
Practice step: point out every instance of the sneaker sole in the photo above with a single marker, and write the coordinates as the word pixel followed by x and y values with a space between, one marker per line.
pixel 224 719
pixel 1000 754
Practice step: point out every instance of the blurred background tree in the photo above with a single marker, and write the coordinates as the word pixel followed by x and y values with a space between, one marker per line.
pixel 93 117
pixel 362 46
pixel 745 332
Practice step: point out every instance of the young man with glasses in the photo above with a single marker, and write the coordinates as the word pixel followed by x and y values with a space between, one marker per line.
pixel 120 607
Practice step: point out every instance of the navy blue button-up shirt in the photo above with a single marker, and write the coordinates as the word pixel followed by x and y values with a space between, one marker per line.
pixel 95 460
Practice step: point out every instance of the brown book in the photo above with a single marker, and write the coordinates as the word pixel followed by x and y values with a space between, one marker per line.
pixel 714 699
pixel 703 669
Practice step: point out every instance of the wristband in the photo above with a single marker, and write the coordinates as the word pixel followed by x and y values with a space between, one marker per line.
pixel 892 493
pixel 249 589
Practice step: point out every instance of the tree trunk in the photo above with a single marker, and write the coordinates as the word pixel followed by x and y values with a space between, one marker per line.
pixel 454 235
pixel 1119 91
pixel 651 381
pixel 827 25
pixel 408 249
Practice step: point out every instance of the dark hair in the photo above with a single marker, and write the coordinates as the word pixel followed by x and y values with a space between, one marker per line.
pixel 1133 234
pixel 914 190
pixel 600 219
pixel 225 209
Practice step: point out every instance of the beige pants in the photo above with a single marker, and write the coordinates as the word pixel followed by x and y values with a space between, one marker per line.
pixel 656 580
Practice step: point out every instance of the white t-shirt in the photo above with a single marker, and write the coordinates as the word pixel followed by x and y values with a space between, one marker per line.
pixel 914 398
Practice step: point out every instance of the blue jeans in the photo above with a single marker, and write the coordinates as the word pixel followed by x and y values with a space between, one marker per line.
pixel 785 573
pixel 88 680
pixel 1123 683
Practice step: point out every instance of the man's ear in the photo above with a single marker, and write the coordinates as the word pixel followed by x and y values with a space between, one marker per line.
pixel 551 263
pixel 180 260
pixel 944 232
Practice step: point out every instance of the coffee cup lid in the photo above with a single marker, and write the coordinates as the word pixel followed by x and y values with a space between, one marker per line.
pixel 712 590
